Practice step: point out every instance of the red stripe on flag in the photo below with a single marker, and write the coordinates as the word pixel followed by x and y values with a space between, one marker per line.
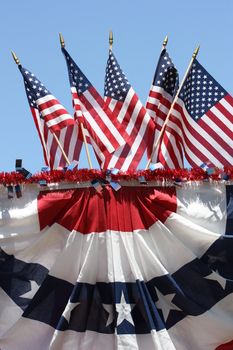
pixel 107 129
pixel 166 141
pixel 215 136
pixel 229 99
pixel 35 115
pixel 219 122
pixel 102 126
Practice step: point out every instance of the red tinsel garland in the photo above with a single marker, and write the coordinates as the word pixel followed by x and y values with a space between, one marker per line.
pixel 83 175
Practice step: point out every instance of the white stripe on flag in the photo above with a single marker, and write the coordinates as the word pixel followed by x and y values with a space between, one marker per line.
pixel 94 125
pixel 218 130
pixel 57 120
pixel 227 105
pixel 193 140
pixel 221 116
pixel 126 103
pixel 133 118
pixel 104 118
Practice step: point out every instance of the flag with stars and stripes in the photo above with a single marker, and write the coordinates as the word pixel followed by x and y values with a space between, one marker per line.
pixel 129 111
pixel 152 270
pixel 50 118
pixel 202 119
pixel 50 109
pixel 162 91
pixel 104 132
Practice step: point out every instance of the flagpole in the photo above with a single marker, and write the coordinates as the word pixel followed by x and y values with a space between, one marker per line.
pixel 173 103
pixel 62 42
pixel 17 61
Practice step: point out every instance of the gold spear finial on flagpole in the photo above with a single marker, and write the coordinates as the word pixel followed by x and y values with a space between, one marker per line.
pixel 17 61
pixel 194 55
pixel 62 41
pixel 110 40
pixel 196 52
pixel 165 41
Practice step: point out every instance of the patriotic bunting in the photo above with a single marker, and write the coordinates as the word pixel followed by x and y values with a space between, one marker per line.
pixel 139 268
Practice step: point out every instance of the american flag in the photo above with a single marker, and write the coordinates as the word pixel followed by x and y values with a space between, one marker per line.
pixel 162 92
pixel 202 119
pixel 105 132
pixel 54 114
pixel 45 116
pixel 129 111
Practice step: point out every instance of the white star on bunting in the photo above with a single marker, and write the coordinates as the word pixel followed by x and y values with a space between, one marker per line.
pixel 216 277
pixel 69 308
pixel 124 311
pixel 32 292
pixel 109 309
pixel 165 303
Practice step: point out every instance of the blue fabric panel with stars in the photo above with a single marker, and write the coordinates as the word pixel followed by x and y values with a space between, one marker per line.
pixel 76 76
pixel 34 88
pixel 116 84
pixel 166 75
pixel 200 91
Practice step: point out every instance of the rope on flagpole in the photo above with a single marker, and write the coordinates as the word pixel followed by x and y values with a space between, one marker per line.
pixel 17 61
pixel 195 53
pixel 62 42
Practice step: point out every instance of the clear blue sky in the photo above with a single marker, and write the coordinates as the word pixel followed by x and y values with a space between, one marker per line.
pixel 31 29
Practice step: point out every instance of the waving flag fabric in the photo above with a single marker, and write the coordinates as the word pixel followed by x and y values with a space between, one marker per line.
pixel 106 133
pixel 162 92
pixel 129 111
pixel 202 119
pixel 53 113
pixel 68 138
pixel 50 117
pixel 141 268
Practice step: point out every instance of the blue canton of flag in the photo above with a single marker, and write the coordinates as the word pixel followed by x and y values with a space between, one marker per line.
pixel 200 91
pixel 76 77
pixel 166 75
pixel 116 84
